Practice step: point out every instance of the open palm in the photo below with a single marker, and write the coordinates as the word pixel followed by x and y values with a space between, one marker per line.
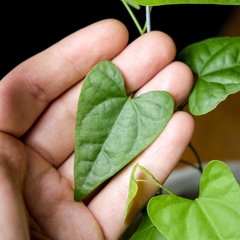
pixel 37 125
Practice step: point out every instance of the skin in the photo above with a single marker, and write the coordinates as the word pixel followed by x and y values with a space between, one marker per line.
pixel 37 121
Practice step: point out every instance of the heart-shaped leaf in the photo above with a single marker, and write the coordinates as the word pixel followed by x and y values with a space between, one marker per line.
pixel 113 128
pixel 214 215
pixel 147 231
pixel 216 62
pixel 170 2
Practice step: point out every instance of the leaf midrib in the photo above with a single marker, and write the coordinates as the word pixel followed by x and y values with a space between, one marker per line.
pixel 213 56
pixel 116 120
pixel 202 209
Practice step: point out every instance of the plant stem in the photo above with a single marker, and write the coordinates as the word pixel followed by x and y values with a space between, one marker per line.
pixel 155 182
pixel 141 31
pixel 148 18
pixel 199 161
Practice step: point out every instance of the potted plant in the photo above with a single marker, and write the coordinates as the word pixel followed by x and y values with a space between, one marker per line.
pixel 213 63
pixel 216 65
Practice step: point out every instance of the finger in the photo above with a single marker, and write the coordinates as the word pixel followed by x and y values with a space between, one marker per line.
pixel 176 78
pixel 138 63
pixel 31 86
pixel 160 159
pixel 53 135
pixel 145 58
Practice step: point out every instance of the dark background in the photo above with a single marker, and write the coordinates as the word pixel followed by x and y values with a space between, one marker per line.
pixel 31 27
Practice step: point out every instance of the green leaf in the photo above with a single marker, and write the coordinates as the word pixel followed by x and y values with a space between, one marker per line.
pixel 216 62
pixel 170 2
pixel 133 185
pixel 133 3
pixel 214 215
pixel 133 189
pixel 113 128
pixel 147 231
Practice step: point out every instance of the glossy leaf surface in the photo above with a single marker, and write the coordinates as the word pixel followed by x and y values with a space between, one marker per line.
pixel 113 128
pixel 214 215
pixel 170 2
pixel 216 62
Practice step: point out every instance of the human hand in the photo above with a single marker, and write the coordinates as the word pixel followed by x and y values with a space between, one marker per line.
pixel 37 122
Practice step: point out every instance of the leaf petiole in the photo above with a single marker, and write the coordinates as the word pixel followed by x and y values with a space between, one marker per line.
pixel 151 179
pixel 147 25
pixel 140 29
pixel 148 18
